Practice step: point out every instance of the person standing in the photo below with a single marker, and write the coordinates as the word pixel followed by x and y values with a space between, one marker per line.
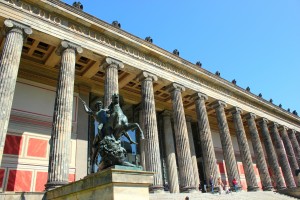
pixel 220 185
pixel 235 184
pixel 211 183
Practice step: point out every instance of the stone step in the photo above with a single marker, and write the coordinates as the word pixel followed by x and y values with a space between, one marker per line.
pixel 264 195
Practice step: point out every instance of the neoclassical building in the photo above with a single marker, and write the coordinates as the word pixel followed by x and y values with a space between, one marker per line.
pixel 195 123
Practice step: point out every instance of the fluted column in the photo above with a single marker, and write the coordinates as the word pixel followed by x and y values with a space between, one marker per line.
pixel 187 181
pixel 15 33
pixel 259 153
pixel 111 85
pixel 228 152
pixel 289 149
pixel 193 153
pixel 59 159
pixel 151 143
pixel 271 154
pixel 170 153
pixel 296 147
pixel 282 157
pixel 298 137
pixel 208 151
pixel 141 143
pixel 244 149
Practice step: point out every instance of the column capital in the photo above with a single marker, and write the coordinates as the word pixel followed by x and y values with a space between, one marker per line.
pixel 235 110
pixel 218 103
pixel 250 115
pixel 68 45
pixel 282 127
pixel 292 131
pixel 199 95
pixel 11 24
pixel 146 76
pixel 263 120
pixel 111 62
pixel 175 86
pixel 274 124
pixel 166 113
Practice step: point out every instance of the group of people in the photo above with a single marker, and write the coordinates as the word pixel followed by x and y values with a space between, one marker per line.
pixel 221 187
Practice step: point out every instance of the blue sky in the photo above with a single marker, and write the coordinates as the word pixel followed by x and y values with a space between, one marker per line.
pixel 256 42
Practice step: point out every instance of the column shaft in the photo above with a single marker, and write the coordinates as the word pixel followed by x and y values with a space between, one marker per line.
pixel 59 159
pixel 111 85
pixel 289 150
pixel 271 154
pixel 228 152
pixel 258 151
pixel 170 153
pixel 193 154
pixel 296 147
pixel 151 143
pixel 244 150
pixel 9 66
pixel 187 182
pixel 282 157
pixel 208 151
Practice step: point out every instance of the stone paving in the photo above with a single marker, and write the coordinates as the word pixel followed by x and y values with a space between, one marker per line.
pixel 266 195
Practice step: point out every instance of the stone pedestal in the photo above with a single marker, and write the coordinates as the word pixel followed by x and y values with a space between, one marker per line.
pixel 116 183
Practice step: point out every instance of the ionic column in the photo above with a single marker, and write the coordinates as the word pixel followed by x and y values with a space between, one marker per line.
pixel 289 149
pixel 151 143
pixel 228 152
pixel 208 151
pixel 296 147
pixel 271 154
pixel 193 153
pixel 282 157
pixel 15 34
pixel 259 153
pixel 59 159
pixel 244 149
pixel 170 153
pixel 111 85
pixel 187 181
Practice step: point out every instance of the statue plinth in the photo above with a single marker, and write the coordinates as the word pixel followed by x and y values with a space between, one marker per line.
pixel 115 183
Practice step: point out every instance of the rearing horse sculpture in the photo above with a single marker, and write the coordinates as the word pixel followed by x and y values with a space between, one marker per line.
pixel 117 122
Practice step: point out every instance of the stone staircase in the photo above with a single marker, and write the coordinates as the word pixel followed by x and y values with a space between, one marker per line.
pixel 260 195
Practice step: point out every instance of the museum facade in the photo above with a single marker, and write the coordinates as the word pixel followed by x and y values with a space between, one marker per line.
pixel 196 124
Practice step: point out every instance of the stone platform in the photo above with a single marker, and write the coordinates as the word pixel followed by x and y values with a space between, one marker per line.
pixel 116 183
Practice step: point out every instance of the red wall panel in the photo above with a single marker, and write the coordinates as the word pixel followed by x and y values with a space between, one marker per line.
pixel 37 147
pixel 1 177
pixel 41 180
pixel 19 180
pixel 221 167
pixel 71 177
pixel 13 144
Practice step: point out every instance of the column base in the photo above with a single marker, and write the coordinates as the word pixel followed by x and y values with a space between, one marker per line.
pixel 268 188
pixel 111 184
pixel 156 189
pixel 54 184
pixel 280 188
pixel 252 188
pixel 188 190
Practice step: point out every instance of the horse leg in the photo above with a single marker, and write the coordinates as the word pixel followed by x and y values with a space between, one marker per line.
pixel 133 126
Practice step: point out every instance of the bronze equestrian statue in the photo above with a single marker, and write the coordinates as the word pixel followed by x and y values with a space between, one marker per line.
pixel 113 123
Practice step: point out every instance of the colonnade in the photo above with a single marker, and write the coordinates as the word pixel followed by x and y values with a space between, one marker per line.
pixel 182 172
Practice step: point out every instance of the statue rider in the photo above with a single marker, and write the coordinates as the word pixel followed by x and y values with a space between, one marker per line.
pixel 100 115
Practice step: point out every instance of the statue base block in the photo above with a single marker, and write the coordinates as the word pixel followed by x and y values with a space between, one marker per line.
pixel 115 183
